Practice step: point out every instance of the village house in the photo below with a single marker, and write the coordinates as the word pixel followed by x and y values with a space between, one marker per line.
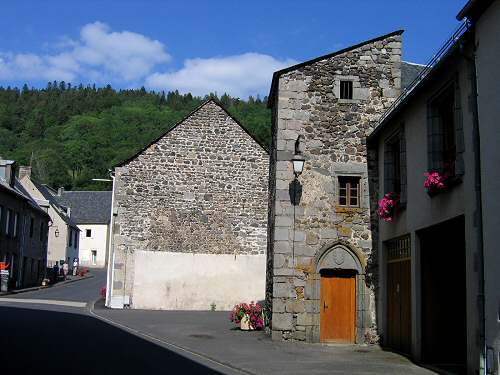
pixel 190 218
pixel 23 231
pixel 63 232
pixel 321 271
pixel 91 211
pixel 438 252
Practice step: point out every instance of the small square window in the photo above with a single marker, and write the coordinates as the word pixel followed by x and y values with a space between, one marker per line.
pixel 88 233
pixel 345 89
pixel 349 191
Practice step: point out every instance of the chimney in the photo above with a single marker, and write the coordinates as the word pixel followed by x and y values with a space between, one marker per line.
pixel 60 191
pixel 24 171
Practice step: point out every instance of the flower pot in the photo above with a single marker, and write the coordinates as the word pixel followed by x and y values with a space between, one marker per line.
pixel 245 324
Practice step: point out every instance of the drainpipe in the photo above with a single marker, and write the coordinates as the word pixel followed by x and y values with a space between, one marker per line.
pixel 111 253
pixel 478 219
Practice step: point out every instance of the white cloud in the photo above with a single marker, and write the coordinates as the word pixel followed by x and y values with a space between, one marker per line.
pixel 127 59
pixel 101 54
pixel 239 75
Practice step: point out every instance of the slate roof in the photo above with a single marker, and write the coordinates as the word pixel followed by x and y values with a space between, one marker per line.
pixel 409 71
pixel 87 207
pixel 19 191
pixel 50 195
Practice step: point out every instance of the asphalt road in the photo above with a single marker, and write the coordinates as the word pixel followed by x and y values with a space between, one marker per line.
pixel 48 339
pixel 50 342
pixel 82 291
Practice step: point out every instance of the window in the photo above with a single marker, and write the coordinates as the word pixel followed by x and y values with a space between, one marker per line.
pixel 345 89
pixel 32 225
pixel 7 221
pixel 445 132
pixel 76 240
pixel 70 237
pixel 16 219
pixel 349 191
pixel 395 164
pixel 94 257
pixel 88 233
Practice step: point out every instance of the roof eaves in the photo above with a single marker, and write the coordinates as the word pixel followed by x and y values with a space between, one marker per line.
pixel 473 9
pixel 416 89
pixel 277 74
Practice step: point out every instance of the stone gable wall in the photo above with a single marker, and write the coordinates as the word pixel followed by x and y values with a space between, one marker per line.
pixel 334 131
pixel 200 189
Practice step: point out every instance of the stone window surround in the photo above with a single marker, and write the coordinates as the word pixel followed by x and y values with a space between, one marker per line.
pixel 313 289
pixel 358 93
pixel 363 202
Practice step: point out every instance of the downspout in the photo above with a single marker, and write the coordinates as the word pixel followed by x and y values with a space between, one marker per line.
pixel 478 214
pixel 111 254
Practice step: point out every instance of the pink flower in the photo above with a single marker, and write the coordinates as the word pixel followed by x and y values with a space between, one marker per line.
pixel 387 206
pixel 434 180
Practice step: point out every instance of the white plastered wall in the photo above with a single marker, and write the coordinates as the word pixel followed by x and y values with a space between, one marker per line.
pixel 96 242
pixel 180 281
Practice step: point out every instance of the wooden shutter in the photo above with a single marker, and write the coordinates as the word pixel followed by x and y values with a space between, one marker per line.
pixel 434 140
pixel 388 168
pixel 459 132
pixel 402 163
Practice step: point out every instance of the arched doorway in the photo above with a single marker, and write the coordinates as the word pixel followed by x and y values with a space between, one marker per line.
pixel 339 269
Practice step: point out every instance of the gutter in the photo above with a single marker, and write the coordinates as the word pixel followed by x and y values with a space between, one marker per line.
pixel 111 255
pixel 478 214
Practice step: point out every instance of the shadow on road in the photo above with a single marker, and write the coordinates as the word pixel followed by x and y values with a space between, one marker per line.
pixel 51 342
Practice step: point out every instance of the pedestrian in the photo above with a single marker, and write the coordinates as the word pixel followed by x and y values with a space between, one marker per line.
pixel 75 266
pixel 65 270
pixel 55 270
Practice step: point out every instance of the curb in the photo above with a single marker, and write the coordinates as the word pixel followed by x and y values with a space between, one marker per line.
pixel 177 348
pixel 32 289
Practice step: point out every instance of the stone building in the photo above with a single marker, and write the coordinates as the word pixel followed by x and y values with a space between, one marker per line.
pixel 321 272
pixel 190 218
pixel 23 231
pixel 438 257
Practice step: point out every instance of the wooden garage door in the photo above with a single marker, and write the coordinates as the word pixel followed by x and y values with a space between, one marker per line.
pixel 399 295
pixel 338 307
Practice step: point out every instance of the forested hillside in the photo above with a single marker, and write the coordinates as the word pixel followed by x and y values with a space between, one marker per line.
pixel 73 134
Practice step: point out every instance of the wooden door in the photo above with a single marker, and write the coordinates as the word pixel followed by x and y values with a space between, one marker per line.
pixel 399 305
pixel 338 307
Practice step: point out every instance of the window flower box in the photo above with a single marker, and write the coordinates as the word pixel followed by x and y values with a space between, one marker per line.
pixel 435 182
pixel 387 206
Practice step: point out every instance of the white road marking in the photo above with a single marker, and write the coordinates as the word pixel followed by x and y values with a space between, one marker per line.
pixel 44 302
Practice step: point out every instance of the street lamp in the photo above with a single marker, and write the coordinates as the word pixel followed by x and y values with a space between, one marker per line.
pixel 298 164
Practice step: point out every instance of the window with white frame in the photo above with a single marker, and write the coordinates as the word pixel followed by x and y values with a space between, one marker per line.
pixel 348 192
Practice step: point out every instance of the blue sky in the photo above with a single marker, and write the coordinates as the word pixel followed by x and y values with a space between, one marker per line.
pixel 200 46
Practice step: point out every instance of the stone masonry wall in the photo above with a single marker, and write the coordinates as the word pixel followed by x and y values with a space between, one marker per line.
pixel 334 131
pixel 201 189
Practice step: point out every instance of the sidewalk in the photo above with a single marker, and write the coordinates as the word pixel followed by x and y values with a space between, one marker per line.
pixel 33 288
pixel 213 336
